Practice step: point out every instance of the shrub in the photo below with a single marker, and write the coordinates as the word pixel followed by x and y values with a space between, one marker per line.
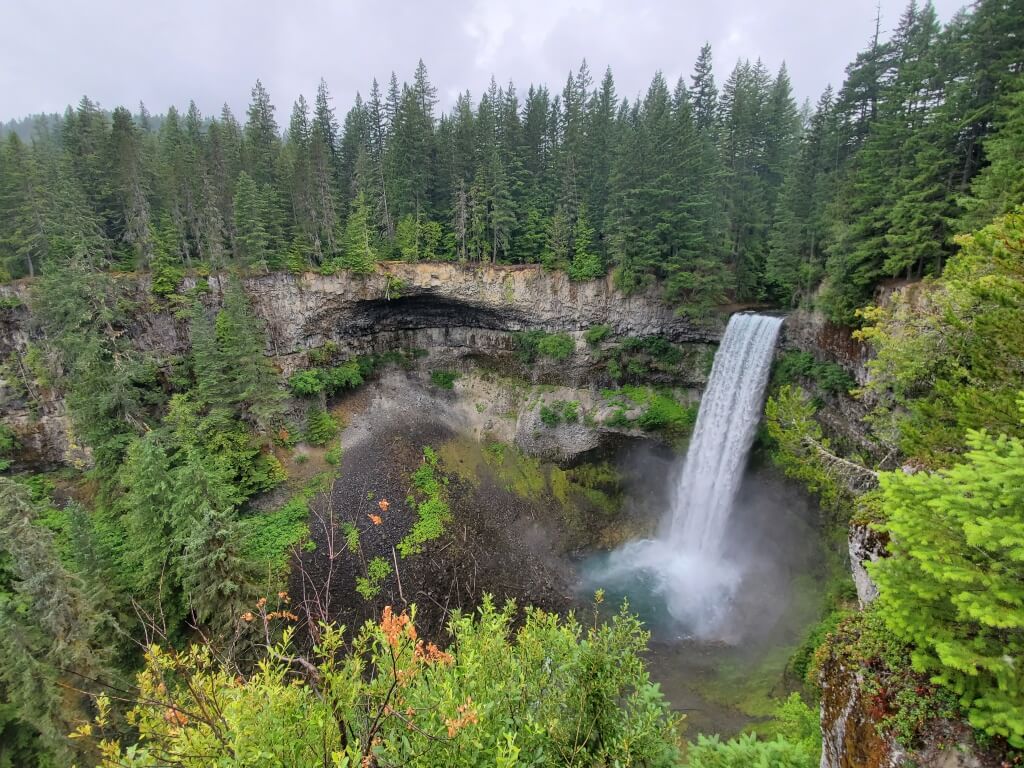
pixel 794 366
pixel 268 539
pixel 505 687
pixel 559 411
pixel 549 416
pixel 595 334
pixel 377 570
pixel 314 381
pixel 533 344
pixel 746 751
pixel 321 427
pixel 333 455
pixel 665 414
pixel 444 379
pixel 306 383
pixel 557 346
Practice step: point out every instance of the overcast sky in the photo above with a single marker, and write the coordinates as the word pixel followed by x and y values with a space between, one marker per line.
pixel 123 51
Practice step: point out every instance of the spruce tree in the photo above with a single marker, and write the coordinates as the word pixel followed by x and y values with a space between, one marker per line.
pixel 262 142
pixel 358 252
pixel 586 264
pixel 952 583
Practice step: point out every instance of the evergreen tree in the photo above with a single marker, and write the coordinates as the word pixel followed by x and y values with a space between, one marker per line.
pixel 251 234
pixel 586 264
pixel 999 187
pixel 217 580
pixel 133 214
pixel 952 584
pixel 358 252
pixel 51 644
pixel 262 142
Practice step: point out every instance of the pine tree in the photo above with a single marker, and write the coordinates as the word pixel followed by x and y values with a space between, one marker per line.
pixel 217 580
pixel 51 634
pixel 133 213
pixel 586 264
pixel 262 143
pixel 952 584
pixel 146 565
pixel 251 233
pixel 999 187
pixel 358 252
pixel 705 94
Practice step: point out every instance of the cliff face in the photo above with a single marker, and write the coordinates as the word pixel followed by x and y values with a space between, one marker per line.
pixel 458 315
pixel 448 305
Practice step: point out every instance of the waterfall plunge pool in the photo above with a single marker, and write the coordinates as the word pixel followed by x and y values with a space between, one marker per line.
pixel 717 584
pixel 724 683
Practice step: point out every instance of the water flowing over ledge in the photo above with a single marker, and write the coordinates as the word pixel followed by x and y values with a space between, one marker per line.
pixel 688 564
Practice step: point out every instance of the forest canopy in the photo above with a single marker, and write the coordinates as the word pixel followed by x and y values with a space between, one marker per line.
pixel 715 191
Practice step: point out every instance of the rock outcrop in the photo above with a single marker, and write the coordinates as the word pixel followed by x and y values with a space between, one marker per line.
pixel 865 545
pixel 458 315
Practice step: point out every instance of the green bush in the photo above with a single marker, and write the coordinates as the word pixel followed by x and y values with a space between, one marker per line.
pixel 595 334
pixel 559 411
pixel 792 367
pixel 333 455
pixel 314 381
pixel 321 427
pixel 746 751
pixel 549 416
pixel 533 344
pixel 665 414
pixel 444 379
pixel 509 690
pixel 268 539
pixel 557 346
pixel 377 570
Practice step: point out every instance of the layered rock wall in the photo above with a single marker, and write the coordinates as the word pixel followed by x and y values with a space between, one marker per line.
pixel 459 315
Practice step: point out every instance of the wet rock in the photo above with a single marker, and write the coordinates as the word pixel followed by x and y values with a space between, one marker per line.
pixel 865 545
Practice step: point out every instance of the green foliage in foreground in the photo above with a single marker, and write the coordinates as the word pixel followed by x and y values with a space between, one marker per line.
pixel 746 751
pixel 549 693
pixel 432 511
pixel 954 584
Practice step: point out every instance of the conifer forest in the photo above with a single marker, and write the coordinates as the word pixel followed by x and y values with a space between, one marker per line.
pixel 371 433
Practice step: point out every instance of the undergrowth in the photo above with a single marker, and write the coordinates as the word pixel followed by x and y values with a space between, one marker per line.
pixel 428 498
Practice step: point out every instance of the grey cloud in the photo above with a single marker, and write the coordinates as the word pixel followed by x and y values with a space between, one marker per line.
pixel 121 52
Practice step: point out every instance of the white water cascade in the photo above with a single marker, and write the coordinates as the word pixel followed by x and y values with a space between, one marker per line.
pixel 688 564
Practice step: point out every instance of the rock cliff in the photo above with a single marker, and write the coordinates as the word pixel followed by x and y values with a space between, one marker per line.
pixel 459 315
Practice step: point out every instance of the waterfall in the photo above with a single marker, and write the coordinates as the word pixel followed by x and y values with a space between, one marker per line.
pixel 688 564
pixel 726 424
